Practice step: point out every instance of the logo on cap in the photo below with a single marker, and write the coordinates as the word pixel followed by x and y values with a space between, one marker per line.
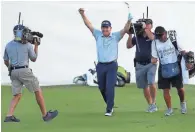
pixel 106 23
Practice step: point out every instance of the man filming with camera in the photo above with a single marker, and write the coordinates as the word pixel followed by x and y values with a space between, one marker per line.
pixel 16 58
pixel 145 70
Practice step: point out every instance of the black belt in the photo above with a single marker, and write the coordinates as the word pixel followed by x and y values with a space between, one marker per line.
pixel 18 67
pixel 143 62
pixel 107 62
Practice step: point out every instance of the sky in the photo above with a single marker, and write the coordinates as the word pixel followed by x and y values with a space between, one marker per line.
pixel 68 48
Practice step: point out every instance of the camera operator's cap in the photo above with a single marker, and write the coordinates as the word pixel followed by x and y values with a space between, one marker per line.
pixel 18 27
pixel 106 23
pixel 159 30
pixel 149 21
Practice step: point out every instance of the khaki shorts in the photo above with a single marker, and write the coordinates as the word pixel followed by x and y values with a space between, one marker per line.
pixel 145 75
pixel 23 76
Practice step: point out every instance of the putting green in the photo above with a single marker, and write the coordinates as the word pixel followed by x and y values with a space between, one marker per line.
pixel 81 109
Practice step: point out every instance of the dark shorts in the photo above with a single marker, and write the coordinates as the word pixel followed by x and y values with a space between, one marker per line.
pixel 167 83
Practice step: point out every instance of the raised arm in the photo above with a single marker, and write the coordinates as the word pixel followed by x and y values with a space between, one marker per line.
pixel 147 29
pixel 149 34
pixel 33 53
pixel 127 26
pixel 86 20
pixel 130 42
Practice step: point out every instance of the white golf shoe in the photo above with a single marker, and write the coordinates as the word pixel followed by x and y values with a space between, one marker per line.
pixel 109 113
pixel 152 108
pixel 169 112
pixel 183 107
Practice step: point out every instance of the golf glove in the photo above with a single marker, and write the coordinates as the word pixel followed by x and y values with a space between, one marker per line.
pixel 130 17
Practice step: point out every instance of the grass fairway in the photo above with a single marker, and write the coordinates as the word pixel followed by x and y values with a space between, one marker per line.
pixel 81 109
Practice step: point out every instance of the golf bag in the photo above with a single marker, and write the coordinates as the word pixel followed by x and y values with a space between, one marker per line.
pixel 186 59
pixel 90 78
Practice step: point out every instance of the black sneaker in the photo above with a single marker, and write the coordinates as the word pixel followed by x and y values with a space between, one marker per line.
pixel 50 115
pixel 11 119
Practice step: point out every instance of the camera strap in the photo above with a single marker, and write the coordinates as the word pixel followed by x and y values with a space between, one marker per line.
pixel 156 49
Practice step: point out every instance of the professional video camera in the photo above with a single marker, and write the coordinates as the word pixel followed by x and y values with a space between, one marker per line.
pixel 136 28
pixel 32 36
pixel 24 34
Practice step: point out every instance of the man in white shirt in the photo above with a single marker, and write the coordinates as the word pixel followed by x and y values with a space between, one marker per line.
pixel 165 51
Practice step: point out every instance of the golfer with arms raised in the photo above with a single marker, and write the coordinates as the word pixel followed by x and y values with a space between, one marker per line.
pixel 107 53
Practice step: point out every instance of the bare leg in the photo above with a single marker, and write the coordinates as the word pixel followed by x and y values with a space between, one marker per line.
pixel 15 100
pixel 181 93
pixel 167 97
pixel 153 93
pixel 147 95
pixel 41 102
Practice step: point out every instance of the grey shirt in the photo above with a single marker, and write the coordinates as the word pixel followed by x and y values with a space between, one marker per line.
pixel 19 54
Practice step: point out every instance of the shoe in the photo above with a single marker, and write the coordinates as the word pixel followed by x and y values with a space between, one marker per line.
pixel 50 115
pixel 152 108
pixel 109 113
pixel 169 112
pixel 11 119
pixel 183 107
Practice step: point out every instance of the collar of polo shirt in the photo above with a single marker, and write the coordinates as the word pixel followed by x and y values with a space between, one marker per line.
pixel 109 35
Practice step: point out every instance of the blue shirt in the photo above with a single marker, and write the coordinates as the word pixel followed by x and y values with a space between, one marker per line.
pixel 145 48
pixel 19 54
pixel 107 47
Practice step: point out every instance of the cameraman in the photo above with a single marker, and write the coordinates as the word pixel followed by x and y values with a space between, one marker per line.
pixel 169 73
pixel 145 70
pixel 16 58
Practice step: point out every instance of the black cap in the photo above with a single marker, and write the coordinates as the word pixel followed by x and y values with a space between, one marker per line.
pixel 106 23
pixel 149 21
pixel 159 30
